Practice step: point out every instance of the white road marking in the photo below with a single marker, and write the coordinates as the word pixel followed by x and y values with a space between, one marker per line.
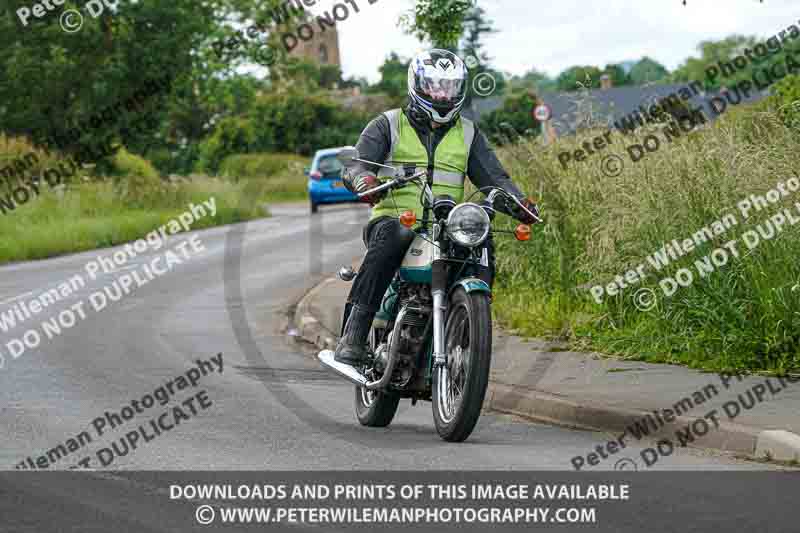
pixel 15 298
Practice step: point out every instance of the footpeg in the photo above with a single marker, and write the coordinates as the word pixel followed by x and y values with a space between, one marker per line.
pixel 326 357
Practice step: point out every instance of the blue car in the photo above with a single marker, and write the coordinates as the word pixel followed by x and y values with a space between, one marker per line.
pixel 325 184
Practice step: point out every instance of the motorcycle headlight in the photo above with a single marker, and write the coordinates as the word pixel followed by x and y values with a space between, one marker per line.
pixel 468 225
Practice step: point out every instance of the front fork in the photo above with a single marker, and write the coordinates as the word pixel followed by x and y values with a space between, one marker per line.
pixel 439 310
pixel 439 294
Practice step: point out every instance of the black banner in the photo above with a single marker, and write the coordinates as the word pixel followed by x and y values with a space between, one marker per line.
pixel 398 501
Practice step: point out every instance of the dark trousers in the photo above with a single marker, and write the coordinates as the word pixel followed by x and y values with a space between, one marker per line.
pixel 387 242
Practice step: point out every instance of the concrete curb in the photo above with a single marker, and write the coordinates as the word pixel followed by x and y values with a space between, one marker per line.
pixel 536 405
pixel 309 328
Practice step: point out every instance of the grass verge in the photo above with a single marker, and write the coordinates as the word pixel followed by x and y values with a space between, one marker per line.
pixel 96 215
pixel 745 315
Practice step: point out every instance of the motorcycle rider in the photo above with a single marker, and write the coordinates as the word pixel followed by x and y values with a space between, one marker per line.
pixel 428 133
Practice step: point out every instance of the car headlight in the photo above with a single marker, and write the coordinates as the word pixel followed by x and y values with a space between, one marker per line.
pixel 468 225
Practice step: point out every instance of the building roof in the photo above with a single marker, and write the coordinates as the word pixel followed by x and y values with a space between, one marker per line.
pixel 572 111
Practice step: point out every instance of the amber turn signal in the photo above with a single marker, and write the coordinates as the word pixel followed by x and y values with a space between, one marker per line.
pixel 523 232
pixel 408 219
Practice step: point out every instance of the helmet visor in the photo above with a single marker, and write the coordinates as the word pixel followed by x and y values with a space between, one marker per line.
pixel 441 91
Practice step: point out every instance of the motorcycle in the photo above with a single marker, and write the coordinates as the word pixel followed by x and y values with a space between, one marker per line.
pixel 432 337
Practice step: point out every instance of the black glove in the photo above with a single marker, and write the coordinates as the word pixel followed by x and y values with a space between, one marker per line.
pixel 361 183
pixel 524 217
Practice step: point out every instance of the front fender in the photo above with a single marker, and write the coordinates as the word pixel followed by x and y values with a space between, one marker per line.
pixel 472 285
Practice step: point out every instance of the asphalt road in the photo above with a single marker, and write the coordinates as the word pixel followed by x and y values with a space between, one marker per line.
pixel 272 407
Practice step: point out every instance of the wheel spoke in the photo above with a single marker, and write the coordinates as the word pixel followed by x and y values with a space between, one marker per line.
pixel 452 377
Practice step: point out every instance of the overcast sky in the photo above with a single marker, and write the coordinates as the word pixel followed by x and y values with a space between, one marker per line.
pixel 553 35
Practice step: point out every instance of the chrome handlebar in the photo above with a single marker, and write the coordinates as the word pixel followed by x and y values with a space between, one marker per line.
pixel 401 181
pixel 498 191
pixel 393 183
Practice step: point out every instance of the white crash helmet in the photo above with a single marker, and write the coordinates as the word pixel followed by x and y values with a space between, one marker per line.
pixel 437 85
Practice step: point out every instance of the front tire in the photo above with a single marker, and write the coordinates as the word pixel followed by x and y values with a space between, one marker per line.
pixel 375 409
pixel 460 386
pixel 314 208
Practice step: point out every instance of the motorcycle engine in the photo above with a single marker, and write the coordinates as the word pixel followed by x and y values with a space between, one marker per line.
pixel 417 301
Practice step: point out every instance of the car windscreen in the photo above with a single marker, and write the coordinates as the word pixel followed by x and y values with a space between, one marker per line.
pixel 330 167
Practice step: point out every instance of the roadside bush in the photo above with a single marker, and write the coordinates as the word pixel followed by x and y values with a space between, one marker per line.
pixel 20 160
pixel 302 123
pixel 513 120
pixel 233 135
pixel 290 122
pixel 135 179
pixel 279 176
pixel 744 315
pixel 786 100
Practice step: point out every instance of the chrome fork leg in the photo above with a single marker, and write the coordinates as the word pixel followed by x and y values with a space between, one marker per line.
pixel 439 356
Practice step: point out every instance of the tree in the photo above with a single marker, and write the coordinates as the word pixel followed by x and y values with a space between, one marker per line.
pixel 540 81
pixel 578 77
pixel 394 77
pixel 711 52
pixel 441 22
pixel 647 70
pixel 476 25
pixel 725 51
pixel 309 75
pixel 111 57
pixel 618 75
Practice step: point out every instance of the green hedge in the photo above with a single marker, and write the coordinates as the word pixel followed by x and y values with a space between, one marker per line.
pixel 286 122
pixel 246 166
pixel 513 120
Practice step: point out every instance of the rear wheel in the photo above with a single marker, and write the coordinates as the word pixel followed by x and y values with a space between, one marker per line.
pixel 459 387
pixel 374 408
pixel 314 208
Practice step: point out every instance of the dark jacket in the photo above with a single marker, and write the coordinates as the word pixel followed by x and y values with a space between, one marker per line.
pixel 483 167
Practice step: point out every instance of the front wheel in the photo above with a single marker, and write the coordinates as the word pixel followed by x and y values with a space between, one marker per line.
pixel 374 408
pixel 459 386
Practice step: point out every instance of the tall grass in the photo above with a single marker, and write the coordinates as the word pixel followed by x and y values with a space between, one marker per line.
pixel 745 315
pixel 91 211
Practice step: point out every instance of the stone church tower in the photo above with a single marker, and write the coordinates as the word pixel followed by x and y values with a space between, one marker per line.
pixel 323 47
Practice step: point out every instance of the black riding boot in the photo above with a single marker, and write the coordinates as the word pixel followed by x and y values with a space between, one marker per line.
pixel 352 347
